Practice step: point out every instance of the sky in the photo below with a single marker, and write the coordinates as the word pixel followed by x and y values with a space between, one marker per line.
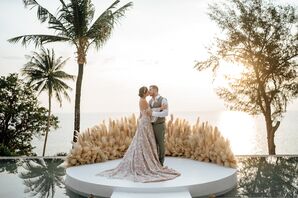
pixel 157 42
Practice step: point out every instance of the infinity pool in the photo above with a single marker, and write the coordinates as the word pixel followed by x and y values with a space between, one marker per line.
pixel 258 176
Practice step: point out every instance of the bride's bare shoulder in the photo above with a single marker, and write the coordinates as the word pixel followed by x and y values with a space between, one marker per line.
pixel 143 103
pixel 143 100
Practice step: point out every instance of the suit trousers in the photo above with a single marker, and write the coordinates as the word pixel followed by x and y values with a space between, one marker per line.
pixel 159 132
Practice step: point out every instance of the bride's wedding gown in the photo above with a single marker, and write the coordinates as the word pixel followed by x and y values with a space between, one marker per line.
pixel 140 162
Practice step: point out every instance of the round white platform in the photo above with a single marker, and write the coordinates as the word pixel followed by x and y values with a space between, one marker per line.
pixel 197 178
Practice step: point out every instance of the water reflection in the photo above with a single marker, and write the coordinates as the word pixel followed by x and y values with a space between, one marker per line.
pixel 257 177
pixel 42 176
pixel 269 177
pixel 72 194
pixel 9 165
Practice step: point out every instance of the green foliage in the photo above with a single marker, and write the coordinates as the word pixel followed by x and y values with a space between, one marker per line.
pixel 264 39
pixel 44 72
pixel 74 22
pixel 21 116
pixel 4 151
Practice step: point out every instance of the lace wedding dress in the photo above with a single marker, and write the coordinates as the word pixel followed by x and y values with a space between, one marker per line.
pixel 140 162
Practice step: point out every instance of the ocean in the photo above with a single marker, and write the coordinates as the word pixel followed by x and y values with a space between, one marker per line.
pixel 246 133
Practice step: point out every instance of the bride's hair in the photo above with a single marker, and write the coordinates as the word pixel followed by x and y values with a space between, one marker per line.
pixel 142 91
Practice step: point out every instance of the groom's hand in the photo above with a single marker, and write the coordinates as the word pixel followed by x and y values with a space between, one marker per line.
pixel 149 112
pixel 163 106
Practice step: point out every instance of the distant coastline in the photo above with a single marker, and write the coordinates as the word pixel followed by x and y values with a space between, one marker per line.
pixel 247 133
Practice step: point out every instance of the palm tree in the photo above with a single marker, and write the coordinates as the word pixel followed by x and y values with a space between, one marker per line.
pixel 41 176
pixel 74 24
pixel 44 73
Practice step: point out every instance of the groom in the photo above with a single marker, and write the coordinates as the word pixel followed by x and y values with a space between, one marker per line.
pixel 158 120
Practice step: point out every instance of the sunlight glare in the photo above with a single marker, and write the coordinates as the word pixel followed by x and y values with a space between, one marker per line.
pixel 240 129
pixel 227 70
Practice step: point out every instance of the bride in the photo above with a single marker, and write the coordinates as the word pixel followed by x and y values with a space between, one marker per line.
pixel 140 162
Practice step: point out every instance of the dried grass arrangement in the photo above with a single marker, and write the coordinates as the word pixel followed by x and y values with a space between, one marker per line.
pixel 201 142
pixel 110 141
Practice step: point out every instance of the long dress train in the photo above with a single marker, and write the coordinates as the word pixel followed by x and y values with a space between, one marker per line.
pixel 140 162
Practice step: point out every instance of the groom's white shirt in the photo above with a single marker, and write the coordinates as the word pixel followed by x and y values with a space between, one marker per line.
pixel 162 113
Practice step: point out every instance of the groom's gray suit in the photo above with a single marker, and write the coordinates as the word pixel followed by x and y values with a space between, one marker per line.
pixel 159 125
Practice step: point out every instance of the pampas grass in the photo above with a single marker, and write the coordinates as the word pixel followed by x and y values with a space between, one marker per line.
pixel 201 142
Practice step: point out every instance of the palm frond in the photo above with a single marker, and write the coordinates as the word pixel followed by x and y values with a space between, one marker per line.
pixel 40 86
pixel 63 75
pixel 60 85
pixel 36 62
pixel 63 3
pixel 37 39
pixel 101 29
pixel 87 10
pixel 40 177
pixel 42 13
pixel 76 16
pixel 58 98
pixel 45 15
pixel 33 76
pixel 121 11
pixel 60 89
pixel 43 72
pixel 33 67
pixel 59 64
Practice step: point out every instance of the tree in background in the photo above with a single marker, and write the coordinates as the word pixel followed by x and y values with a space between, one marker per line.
pixel 21 116
pixel 263 39
pixel 74 24
pixel 44 72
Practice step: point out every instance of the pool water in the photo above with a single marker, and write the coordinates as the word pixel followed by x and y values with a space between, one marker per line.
pixel 258 176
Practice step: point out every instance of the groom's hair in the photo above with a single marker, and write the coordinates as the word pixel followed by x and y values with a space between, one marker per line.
pixel 154 87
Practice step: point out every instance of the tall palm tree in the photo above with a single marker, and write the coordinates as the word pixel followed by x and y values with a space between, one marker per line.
pixel 41 176
pixel 44 73
pixel 74 24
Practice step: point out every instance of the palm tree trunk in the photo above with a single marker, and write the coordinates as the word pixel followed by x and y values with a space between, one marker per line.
pixel 78 102
pixel 48 126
